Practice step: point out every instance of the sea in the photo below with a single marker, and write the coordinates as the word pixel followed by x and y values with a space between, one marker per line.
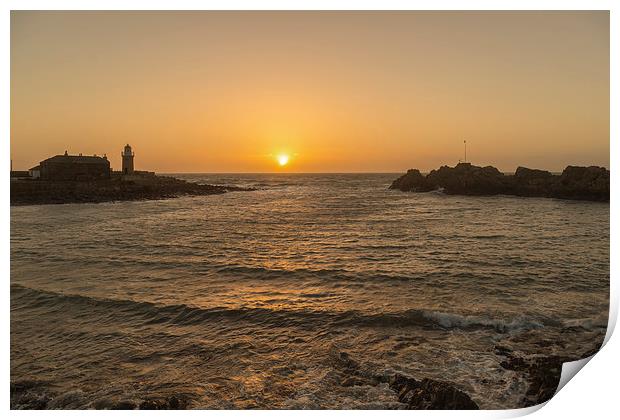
pixel 247 299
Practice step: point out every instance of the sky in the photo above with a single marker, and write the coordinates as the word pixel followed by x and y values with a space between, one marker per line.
pixel 332 91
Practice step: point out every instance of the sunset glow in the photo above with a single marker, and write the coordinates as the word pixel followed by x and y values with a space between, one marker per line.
pixel 283 160
pixel 348 91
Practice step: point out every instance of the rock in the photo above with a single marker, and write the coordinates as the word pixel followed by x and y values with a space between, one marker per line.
pixel 583 183
pixel 124 405
pixel 533 182
pixel 532 175
pixel 174 403
pixel 150 405
pixel 576 183
pixel 171 403
pixel 429 394
pixel 514 363
pixel 542 372
pixel 399 382
pixel 29 395
pixel 413 181
pixel 467 179
pixel 544 376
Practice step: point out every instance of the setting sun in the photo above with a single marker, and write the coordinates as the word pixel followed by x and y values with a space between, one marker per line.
pixel 283 159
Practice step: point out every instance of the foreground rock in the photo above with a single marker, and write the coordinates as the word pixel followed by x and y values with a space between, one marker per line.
pixel 429 394
pixel 575 182
pixel 542 372
pixel 153 187
pixel 425 394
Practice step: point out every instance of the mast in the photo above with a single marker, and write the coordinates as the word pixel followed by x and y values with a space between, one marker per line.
pixel 465 144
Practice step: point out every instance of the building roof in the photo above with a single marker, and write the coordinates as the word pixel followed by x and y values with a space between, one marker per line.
pixel 77 159
pixel 36 168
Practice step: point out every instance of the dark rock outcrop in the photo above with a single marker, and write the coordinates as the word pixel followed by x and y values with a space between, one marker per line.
pixel 24 192
pixel 171 403
pixel 425 394
pixel 124 405
pixel 542 372
pixel 414 181
pixel 467 179
pixel 29 395
pixel 583 183
pixel 575 183
pixel 429 394
pixel 532 182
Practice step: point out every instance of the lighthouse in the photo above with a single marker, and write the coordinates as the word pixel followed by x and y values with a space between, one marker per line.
pixel 127 155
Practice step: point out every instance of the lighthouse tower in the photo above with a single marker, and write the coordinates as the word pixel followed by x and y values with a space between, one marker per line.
pixel 127 156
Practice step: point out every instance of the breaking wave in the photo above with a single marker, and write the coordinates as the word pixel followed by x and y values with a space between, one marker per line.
pixel 182 314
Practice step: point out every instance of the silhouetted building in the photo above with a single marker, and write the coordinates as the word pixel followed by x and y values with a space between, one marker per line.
pixel 73 168
pixel 127 156
pixel 35 173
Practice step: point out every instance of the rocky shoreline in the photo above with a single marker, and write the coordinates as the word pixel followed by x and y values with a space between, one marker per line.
pixel 575 183
pixel 541 372
pixel 151 187
pixel 424 394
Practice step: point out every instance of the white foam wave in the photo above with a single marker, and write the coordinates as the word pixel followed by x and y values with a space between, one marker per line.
pixel 448 320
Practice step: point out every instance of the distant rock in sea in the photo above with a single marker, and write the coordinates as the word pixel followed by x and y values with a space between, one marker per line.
pixel 575 182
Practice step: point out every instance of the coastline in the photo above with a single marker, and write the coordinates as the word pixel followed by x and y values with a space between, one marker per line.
pixel 133 188
pixel 541 373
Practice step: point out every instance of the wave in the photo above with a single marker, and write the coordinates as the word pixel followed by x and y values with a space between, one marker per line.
pixel 234 270
pixel 181 314
pixel 197 268
pixel 448 320
pixel 326 275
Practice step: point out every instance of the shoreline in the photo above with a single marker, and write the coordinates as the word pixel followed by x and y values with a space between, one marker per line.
pixel 541 373
pixel 122 188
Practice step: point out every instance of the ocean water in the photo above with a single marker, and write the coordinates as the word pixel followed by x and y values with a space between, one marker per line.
pixel 243 300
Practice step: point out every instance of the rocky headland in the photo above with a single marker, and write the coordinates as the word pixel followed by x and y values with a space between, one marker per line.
pixel 575 182
pixel 148 187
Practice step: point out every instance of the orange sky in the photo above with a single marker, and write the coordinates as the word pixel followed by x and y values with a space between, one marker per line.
pixel 337 91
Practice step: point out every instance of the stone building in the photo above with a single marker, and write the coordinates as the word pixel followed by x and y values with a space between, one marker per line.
pixel 74 168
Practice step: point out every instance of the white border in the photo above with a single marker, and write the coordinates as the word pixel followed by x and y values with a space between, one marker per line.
pixel 592 394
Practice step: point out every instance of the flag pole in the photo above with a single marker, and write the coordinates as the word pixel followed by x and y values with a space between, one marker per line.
pixel 465 143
